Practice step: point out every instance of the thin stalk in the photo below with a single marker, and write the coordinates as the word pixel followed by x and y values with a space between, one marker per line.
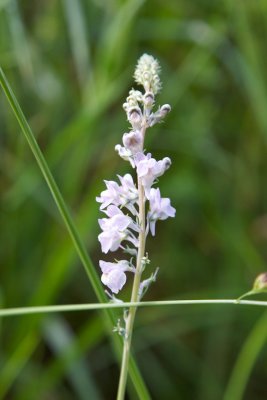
pixel 134 296
pixel 8 312
pixel 136 284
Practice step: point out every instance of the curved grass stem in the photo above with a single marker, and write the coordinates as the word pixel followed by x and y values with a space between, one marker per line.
pixel 10 312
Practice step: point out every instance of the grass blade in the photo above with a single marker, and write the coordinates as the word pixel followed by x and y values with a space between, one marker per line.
pixel 246 360
pixel 60 338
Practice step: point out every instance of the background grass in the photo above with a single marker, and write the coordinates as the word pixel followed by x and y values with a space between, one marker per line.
pixel 70 64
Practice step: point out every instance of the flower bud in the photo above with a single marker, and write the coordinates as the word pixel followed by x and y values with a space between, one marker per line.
pixel 164 110
pixel 148 99
pixel 147 73
pixel 159 115
pixel 167 162
pixel 146 283
pixel 135 97
pixel 260 282
pixel 134 115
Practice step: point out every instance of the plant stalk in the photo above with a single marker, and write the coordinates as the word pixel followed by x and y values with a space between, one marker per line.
pixel 8 312
pixel 135 291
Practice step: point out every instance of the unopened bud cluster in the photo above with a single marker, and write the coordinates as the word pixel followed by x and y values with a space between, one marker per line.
pixel 120 201
pixel 147 74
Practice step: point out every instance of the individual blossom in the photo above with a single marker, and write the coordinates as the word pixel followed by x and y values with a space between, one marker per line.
pixel 115 229
pixel 113 274
pixel 158 116
pixel 110 239
pixel 128 192
pixel 133 110
pixel 116 214
pixel 159 209
pixel 110 196
pixel 125 195
pixel 133 141
pixel 148 169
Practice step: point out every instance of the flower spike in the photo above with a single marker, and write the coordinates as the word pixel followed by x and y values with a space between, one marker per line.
pixel 123 202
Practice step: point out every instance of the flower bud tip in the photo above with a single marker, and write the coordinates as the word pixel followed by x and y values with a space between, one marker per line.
pixel 260 282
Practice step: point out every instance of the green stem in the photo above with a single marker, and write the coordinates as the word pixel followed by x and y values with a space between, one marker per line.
pixel 134 296
pixel 8 312
pixel 137 278
pixel 251 293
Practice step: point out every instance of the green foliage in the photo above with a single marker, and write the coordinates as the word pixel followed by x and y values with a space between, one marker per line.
pixel 70 65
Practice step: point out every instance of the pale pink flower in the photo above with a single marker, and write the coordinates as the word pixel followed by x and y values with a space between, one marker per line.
pixel 116 229
pixel 148 169
pixel 133 141
pixel 110 196
pixel 125 195
pixel 128 190
pixel 160 209
pixel 113 274
pixel 118 219
pixel 110 240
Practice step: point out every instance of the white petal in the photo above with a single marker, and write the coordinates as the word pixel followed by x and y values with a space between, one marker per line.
pixel 115 280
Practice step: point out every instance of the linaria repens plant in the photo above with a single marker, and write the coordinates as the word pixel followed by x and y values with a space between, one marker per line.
pixel 134 208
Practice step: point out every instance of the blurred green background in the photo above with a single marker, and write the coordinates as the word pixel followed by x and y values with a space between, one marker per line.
pixel 70 63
